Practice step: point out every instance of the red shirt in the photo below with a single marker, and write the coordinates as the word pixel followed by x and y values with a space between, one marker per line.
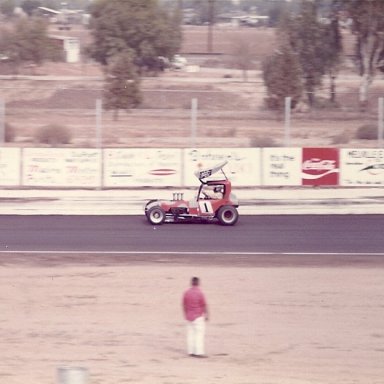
pixel 194 303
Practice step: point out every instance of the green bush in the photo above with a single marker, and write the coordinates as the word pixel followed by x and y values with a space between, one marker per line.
pixel 263 142
pixel 272 102
pixel 341 138
pixel 367 132
pixel 325 103
pixel 53 134
pixel 9 133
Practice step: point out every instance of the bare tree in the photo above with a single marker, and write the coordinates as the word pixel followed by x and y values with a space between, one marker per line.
pixel 368 27
pixel 211 21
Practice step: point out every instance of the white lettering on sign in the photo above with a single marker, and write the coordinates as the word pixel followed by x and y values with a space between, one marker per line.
pixel 319 165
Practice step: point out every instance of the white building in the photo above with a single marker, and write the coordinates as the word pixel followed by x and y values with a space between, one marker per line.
pixel 70 47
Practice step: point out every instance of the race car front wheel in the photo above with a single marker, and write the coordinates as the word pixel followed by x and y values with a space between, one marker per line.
pixel 156 215
pixel 227 215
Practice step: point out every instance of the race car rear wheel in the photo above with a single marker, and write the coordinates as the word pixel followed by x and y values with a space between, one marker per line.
pixel 227 215
pixel 156 215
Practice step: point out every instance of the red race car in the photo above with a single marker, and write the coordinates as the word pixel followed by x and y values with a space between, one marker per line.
pixel 214 201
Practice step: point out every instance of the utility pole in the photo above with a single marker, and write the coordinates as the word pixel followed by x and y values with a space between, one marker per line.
pixel 380 133
pixel 180 6
pixel 99 132
pixel 211 21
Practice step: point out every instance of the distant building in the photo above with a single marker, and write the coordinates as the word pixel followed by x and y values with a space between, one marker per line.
pixel 70 47
pixel 247 20
pixel 62 17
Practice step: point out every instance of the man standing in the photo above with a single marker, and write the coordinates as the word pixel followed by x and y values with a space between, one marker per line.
pixel 196 313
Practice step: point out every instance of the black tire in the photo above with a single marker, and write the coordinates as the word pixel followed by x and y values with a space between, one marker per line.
pixel 156 215
pixel 146 205
pixel 227 215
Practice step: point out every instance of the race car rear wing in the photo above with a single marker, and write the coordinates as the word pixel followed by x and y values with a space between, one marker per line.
pixel 208 172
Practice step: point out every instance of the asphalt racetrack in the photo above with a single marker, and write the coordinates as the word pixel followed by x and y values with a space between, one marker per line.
pixel 293 299
pixel 253 235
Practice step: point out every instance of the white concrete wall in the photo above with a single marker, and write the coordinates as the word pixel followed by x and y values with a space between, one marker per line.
pixel 163 167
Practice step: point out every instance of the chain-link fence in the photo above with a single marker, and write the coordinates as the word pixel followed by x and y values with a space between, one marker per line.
pixel 228 113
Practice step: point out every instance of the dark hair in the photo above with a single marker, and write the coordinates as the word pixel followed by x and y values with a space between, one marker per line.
pixel 195 281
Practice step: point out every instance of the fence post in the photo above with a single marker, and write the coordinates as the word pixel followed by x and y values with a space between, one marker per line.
pixel 287 122
pixel 380 127
pixel 182 167
pixel 2 122
pixel 99 139
pixel 72 375
pixel 193 122
pixel 98 123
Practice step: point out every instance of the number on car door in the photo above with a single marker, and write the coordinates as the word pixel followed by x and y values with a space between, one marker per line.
pixel 205 207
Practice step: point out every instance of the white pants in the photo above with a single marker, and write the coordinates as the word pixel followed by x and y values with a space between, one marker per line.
pixel 195 336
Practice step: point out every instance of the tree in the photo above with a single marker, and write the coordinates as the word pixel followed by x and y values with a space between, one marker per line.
pixel 122 84
pixel 306 37
pixel 368 27
pixel 29 6
pixel 317 41
pixel 7 7
pixel 275 12
pixel 143 28
pixel 332 49
pixel 27 42
pixel 282 77
pixel 32 40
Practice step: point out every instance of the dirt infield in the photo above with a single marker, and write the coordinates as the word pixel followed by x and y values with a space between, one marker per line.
pixel 120 319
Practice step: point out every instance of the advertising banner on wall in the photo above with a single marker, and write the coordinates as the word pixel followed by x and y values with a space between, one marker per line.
pixel 138 167
pixel 10 166
pixel 281 166
pixel 62 167
pixel 362 167
pixel 320 166
pixel 243 167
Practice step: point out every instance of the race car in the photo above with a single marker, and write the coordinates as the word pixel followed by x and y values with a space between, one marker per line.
pixel 214 201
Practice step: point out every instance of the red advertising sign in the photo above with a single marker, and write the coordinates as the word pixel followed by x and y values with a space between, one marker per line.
pixel 320 166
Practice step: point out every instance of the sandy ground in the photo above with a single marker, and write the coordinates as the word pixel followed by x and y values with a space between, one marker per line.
pixel 278 323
